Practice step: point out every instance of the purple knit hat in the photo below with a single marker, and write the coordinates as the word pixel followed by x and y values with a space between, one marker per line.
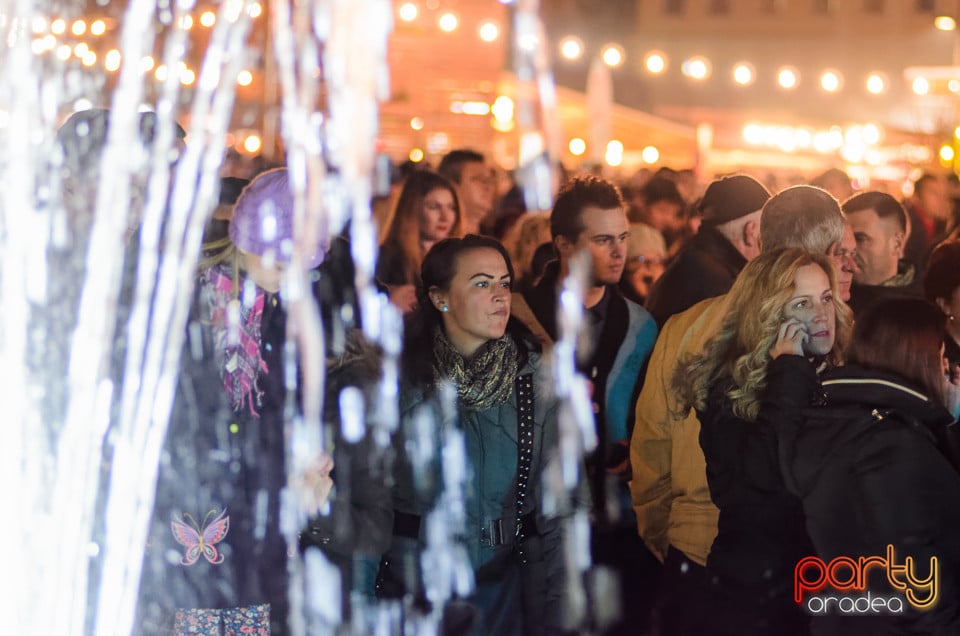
pixel 262 220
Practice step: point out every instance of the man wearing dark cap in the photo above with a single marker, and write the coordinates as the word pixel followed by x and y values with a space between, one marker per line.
pixel 728 239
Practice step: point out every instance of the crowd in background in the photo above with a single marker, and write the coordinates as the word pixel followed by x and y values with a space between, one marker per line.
pixel 774 373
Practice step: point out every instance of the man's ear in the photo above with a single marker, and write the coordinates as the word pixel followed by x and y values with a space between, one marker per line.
pixel 564 246
pixel 751 234
pixel 899 243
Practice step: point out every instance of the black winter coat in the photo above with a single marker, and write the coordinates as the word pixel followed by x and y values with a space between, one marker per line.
pixel 760 532
pixel 870 474
pixel 704 268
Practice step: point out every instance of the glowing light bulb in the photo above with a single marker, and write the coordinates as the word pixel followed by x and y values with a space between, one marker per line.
pixel 448 22
pixel 655 62
pixel 571 48
pixel 743 74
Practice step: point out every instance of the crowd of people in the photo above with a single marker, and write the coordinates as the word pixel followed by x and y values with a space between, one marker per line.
pixel 773 376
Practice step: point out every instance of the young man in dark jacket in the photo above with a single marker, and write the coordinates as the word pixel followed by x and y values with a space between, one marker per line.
pixel 589 216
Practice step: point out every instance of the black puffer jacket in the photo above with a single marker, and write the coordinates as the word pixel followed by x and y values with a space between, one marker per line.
pixel 870 474
pixel 760 533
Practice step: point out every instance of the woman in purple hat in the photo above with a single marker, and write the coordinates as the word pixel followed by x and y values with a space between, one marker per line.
pixel 216 560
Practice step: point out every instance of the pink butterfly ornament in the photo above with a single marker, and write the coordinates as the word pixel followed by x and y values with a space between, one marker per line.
pixel 200 538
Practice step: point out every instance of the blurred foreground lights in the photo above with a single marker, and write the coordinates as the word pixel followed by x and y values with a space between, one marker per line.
pixel 743 74
pixel 161 73
pixel 788 78
pixel 58 26
pixel 753 134
pixel 448 22
pixel 953 86
pixel 244 78
pixel 111 61
pixel 99 27
pixel 208 19
pixel 612 55
pixel 655 62
pixel 79 27
pixel 40 25
pixel 489 32
pixel 614 154
pixel 416 123
pixel 187 77
pixel 255 10
pixel 252 144
pixel 921 86
pixel 876 83
pixel 185 22
pixel 64 52
pixel 831 81
pixel 81 49
pixel 650 154
pixel 571 48
pixel 408 12
pixel 577 146
pixel 956 132
pixel 945 23
pixel 89 58
pixel 946 153
pixel 416 155
pixel 146 64
pixel 697 68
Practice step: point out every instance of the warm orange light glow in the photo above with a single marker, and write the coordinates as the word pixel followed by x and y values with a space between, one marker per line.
pixel 489 31
pixel 571 48
pixel 408 12
pixel 448 22
pixel 655 62
pixel 111 61
pixel 252 144
pixel 612 55
pixel 244 78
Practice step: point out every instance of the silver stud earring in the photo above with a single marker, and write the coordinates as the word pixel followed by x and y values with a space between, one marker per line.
pixel 444 309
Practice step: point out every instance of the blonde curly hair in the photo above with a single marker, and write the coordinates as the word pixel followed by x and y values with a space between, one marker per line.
pixel 741 349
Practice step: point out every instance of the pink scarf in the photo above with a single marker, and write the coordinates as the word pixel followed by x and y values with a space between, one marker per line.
pixel 236 338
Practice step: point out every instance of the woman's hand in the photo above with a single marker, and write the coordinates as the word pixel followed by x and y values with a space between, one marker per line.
pixel 313 484
pixel 790 340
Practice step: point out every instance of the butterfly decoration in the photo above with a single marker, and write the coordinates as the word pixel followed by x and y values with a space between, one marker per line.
pixel 199 538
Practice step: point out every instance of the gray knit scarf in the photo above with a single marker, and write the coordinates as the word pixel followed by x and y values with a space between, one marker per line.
pixel 484 381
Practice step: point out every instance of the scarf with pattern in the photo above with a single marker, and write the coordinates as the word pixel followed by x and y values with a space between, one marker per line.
pixel 484 381
pixel 236 338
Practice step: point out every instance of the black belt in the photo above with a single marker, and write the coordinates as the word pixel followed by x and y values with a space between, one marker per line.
pixel 492 534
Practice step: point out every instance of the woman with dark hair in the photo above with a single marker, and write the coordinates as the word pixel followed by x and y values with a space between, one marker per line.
pixel 869 466
pixel 784 300
pixel 427 211
pixel 461 336
pixel 941 286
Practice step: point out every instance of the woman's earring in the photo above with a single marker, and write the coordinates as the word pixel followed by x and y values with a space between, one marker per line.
pixel 446 309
